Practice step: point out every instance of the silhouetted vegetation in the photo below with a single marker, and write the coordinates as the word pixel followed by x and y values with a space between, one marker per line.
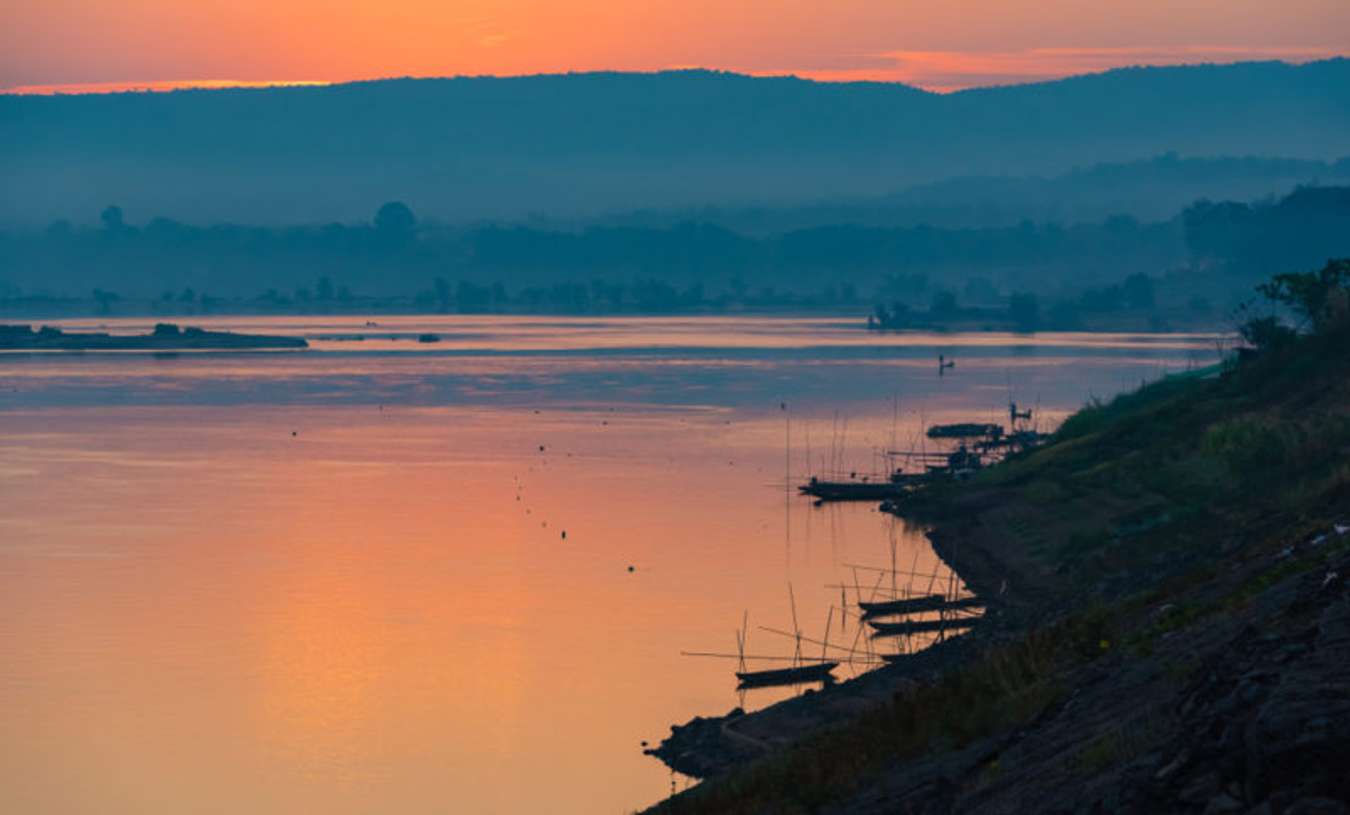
pixel 578 145
pixel 1254 241
pixel 1153 514
pixel 1316 301
pixel 1118 272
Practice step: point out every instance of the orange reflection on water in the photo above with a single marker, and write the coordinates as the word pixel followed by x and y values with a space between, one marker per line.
pixel 363 615
pixel 358 604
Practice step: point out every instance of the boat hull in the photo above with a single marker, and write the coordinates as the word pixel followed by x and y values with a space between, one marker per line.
pixel 853 490
pixel 914 605
pixel 816 672
pixel 900 629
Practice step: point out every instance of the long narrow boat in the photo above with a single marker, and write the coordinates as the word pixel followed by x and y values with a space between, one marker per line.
pixel 853 490
pixel 965 430
pixel 814 672
pixel 897 629
pixel 913 605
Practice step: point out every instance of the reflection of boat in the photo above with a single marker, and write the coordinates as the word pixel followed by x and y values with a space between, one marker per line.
pixel 813 672
pixel 900 629
pixel 914 605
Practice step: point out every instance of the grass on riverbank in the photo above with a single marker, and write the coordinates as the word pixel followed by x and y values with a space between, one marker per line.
pixel 1149 502
pixel 1005 687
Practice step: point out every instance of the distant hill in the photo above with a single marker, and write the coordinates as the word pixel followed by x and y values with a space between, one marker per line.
pixel 487 147
pixel 1147 190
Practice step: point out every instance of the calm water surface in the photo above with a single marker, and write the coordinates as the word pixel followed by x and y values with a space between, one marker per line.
pixel 336 580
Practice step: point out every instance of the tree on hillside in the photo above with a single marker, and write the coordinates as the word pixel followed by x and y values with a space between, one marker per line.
pixel 1138 290
pixel 394 223
pixel 1024 311
pixel 112 219
pixel 1318 298
pixel 105 299
pixel 944 304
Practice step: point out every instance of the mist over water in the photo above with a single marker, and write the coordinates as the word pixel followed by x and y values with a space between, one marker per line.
pixel 336 580
pixel 723 362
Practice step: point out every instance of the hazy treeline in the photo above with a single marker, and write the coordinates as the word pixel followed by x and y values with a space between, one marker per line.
pixel 1298 232
pixel 395 256
pixel 1201 260
pixel 1230 246
pixel 1148 189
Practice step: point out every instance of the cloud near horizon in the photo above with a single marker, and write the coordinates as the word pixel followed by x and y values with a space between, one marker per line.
pixel 948 71
pixel 937 71
pixel 935 44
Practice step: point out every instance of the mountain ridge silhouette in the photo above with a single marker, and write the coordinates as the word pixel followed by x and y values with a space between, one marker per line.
pixel 485 147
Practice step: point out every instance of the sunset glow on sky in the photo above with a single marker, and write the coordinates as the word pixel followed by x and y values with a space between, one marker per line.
pixel 86 44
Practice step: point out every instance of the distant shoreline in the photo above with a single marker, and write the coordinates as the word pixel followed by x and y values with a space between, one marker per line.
pixel 1158 322
pixel 165 337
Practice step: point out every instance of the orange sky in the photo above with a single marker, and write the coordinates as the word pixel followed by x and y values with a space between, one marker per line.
pixel 938 44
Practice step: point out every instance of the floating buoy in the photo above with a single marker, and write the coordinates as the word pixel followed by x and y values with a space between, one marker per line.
pixel 564 534
pixel 632 568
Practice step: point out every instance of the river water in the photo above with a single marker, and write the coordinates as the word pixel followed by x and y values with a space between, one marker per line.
pixel 337 580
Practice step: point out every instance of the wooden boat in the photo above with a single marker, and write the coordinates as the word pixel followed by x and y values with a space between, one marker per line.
pixel 913 605
pixel 852 490
pixel 964 430
pixel 898 629
pixel 908 605
pixel 814 672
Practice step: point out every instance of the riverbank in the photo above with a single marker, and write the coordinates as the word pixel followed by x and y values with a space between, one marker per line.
pixel 1169 622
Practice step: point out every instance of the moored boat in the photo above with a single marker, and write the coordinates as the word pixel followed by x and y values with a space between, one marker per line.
pixel 965 430
pixel 853 490
pixel 900 629
pixel 914 605
pixel 800 675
